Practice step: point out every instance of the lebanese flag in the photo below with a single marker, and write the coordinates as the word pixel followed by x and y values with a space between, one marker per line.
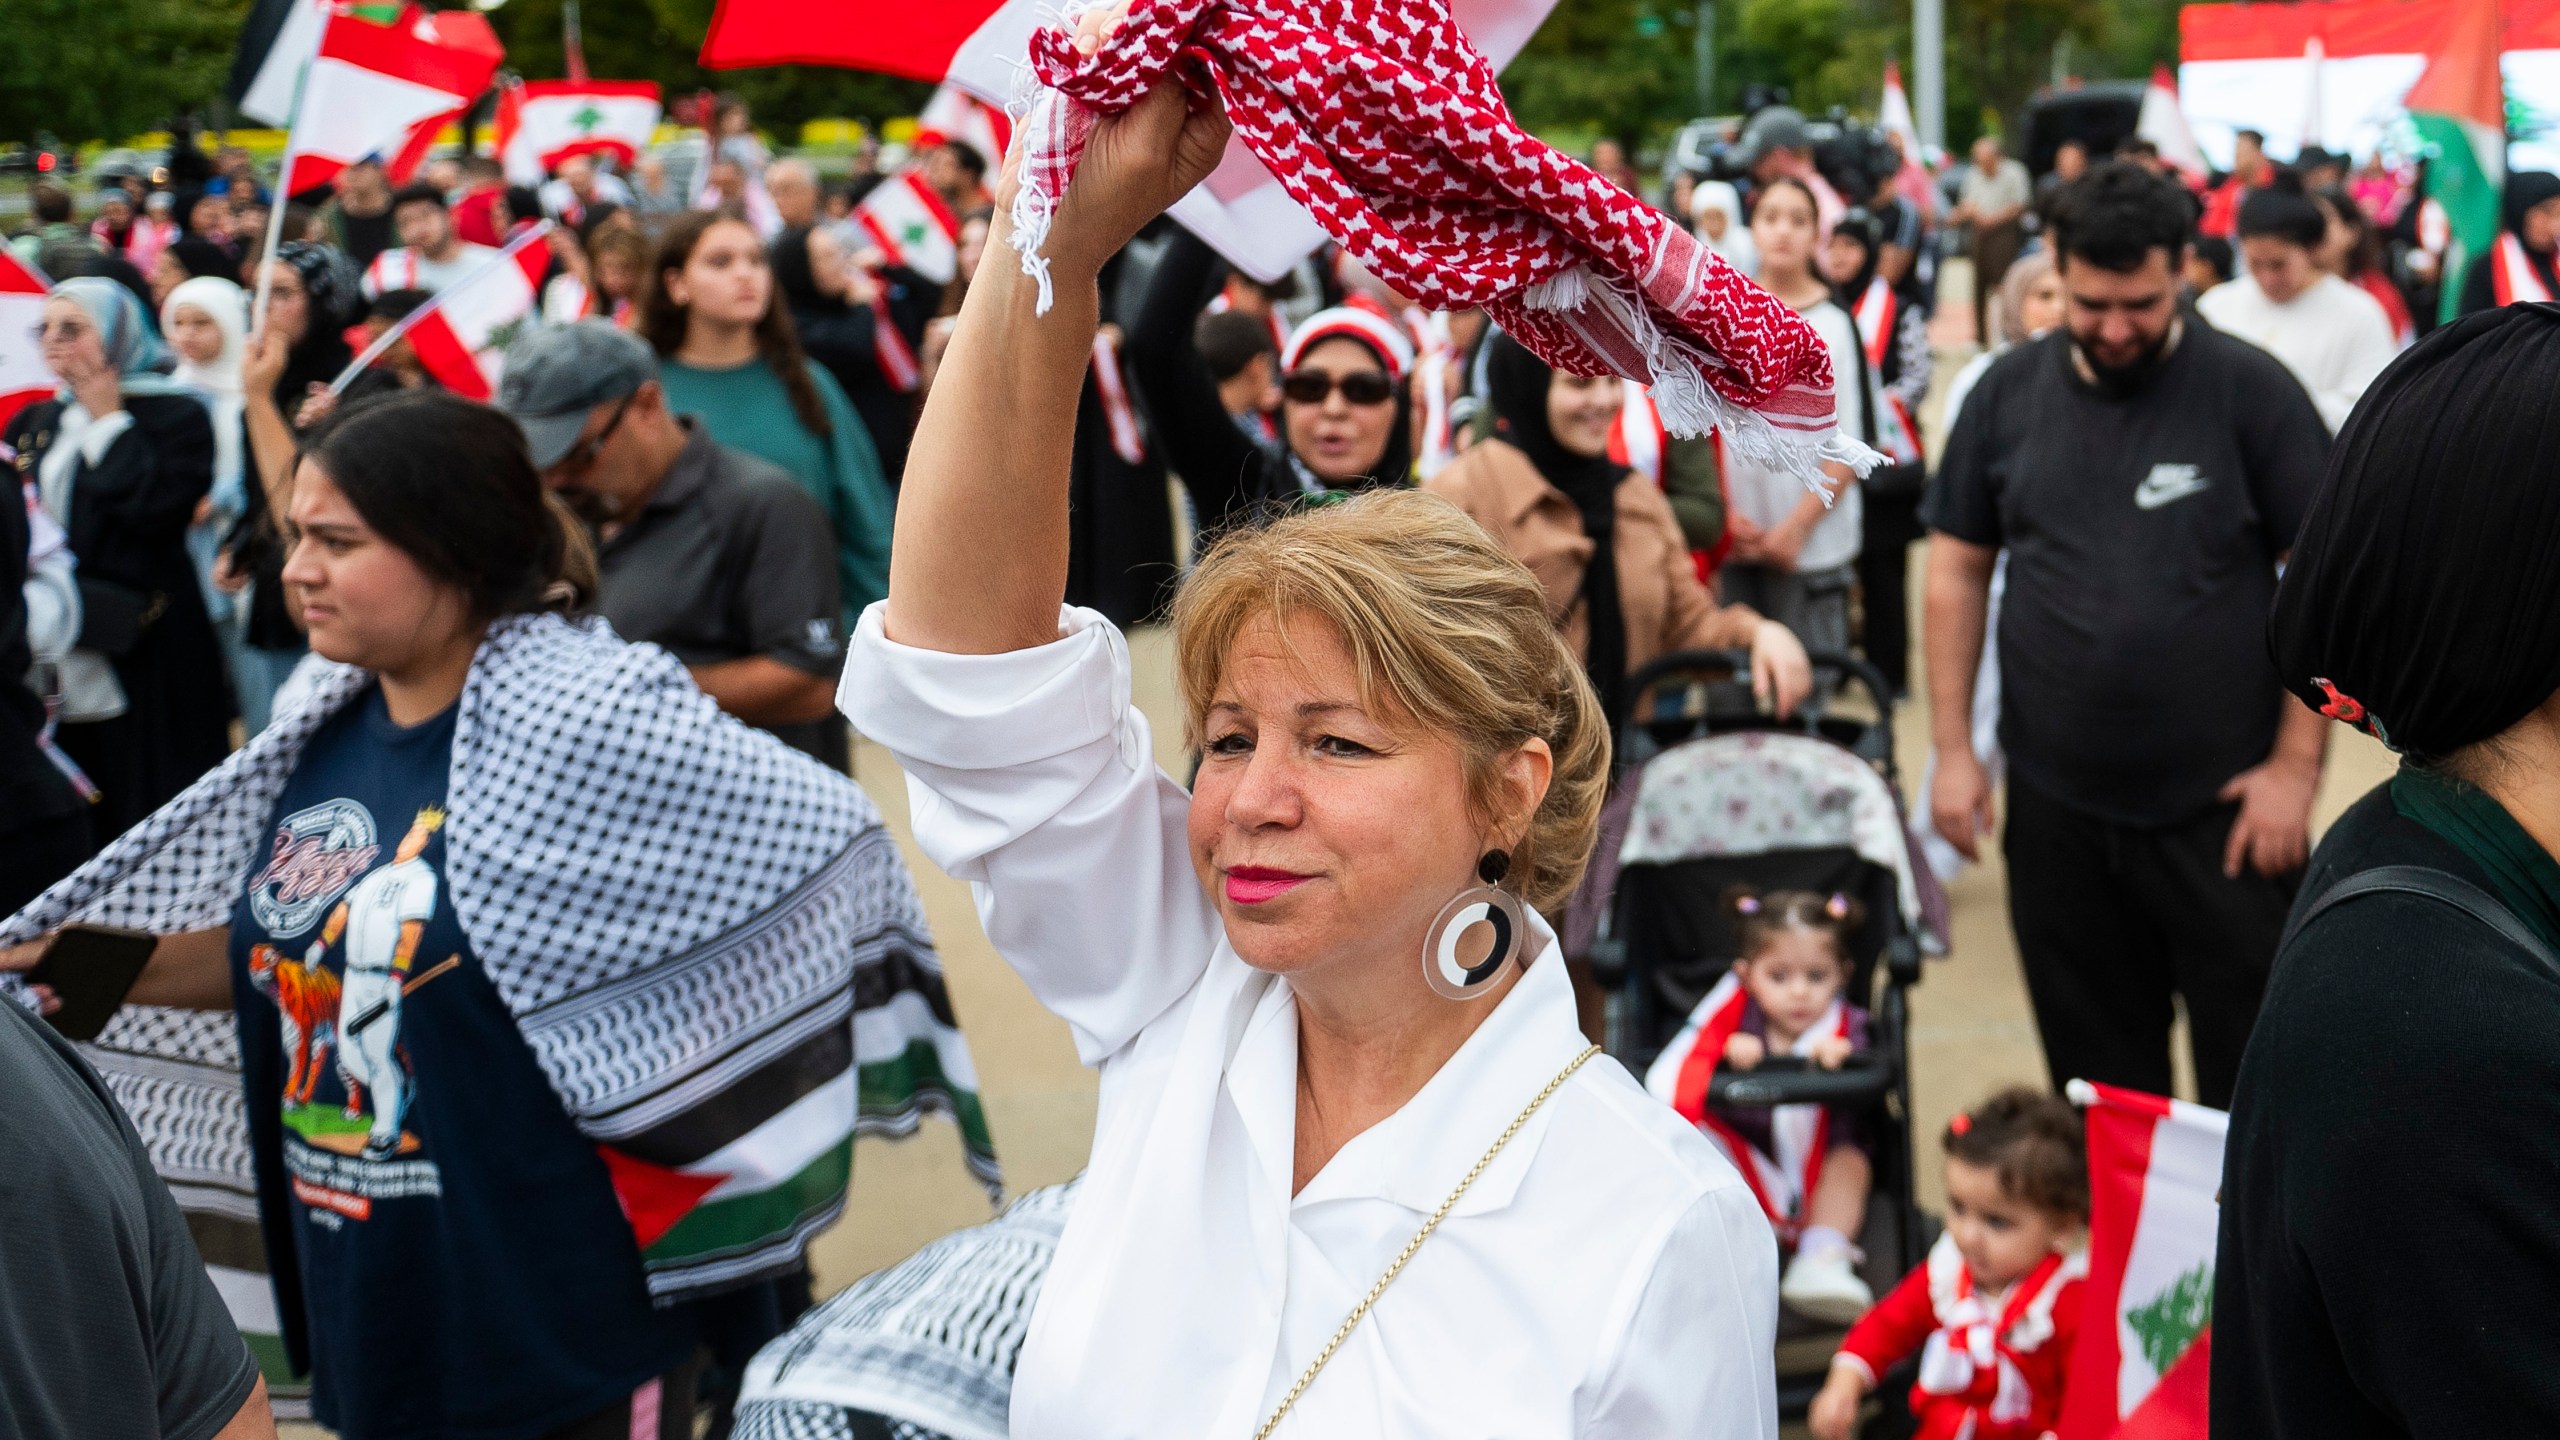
pixel 2146 1331
pixel 375 83
pixel 2165 125
pixel 912 227
pixel 981 46
pixel 461 335
pixel 955 114
pixel 23 376
pixel 543 122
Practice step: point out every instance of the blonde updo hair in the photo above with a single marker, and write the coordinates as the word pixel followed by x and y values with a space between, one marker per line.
pixel 1445 626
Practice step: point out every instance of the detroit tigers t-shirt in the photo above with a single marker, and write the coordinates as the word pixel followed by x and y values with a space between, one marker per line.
pixel 449 1240
pixel 2142 528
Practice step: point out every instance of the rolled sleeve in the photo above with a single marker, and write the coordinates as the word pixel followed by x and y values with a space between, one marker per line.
pixel 1030 776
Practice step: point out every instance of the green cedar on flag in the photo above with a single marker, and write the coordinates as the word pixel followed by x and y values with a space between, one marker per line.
pixel 2459 107
pixel 2139 1369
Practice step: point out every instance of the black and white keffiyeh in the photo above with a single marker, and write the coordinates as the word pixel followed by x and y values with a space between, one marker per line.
pixel 708 939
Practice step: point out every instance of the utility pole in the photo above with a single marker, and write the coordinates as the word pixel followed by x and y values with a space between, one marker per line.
pixel 1703 51
pixel 1929 70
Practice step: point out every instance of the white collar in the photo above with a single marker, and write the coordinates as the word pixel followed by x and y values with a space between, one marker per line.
pixel 1417 1155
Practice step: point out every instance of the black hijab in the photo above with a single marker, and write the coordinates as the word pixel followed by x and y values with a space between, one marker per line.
pixel 2526 189
pixel 329 282
pixel 1516 384
pixel 201 257
pixel 797 276
pixel 2422 602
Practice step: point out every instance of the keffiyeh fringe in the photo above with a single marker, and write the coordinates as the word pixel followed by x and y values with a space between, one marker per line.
pixel 1381 119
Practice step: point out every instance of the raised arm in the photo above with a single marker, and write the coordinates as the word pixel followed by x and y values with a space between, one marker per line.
pixel 980 558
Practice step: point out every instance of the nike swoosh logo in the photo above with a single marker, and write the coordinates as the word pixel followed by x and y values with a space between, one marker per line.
pixel 2157 490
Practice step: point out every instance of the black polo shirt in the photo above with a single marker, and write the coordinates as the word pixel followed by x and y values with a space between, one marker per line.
pixel 730 558
pixel 2143 530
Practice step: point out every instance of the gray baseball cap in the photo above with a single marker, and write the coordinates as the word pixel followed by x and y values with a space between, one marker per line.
pixel 1778 127
pixel 556 376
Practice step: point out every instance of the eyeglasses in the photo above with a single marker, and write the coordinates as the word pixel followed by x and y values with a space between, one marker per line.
pixel 1360 387
pixel 585 452
pixel 44 330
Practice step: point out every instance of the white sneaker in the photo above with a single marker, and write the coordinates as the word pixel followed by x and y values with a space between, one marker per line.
pixel 1825 1286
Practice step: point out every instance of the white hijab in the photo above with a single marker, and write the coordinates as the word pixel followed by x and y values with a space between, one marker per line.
pixel 218 379
pixel 1736 246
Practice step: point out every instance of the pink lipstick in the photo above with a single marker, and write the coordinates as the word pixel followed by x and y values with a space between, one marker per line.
pixel 1252 884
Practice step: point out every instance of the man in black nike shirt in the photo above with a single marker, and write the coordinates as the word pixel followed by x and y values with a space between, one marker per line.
pixel 2146 475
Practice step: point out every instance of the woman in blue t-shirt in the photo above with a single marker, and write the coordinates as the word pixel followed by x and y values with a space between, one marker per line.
pixel 516 1081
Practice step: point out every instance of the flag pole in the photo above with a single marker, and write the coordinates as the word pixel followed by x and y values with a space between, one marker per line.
pixel 275 228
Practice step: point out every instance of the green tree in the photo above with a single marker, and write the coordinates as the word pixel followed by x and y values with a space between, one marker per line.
pixel 1621 66
pixel 109 69
pixel 659 40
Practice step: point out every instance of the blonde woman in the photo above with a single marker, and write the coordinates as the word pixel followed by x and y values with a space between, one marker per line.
pixel 1356 1171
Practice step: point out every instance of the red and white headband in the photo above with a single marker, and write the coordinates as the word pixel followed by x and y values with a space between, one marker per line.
pixel 1345 322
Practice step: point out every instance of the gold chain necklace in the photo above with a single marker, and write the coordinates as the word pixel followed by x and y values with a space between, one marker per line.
pixel 1360 1311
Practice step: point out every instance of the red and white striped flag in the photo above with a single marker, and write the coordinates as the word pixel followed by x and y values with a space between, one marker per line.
pixel 380 79
pixel 2146 1329
pixel 543 122
pixel 23 377
pixel 981 46
pixel 912 227
pixel 955 114
pixel 461 335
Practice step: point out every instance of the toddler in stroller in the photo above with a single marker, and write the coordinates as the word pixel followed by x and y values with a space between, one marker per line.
pixel 1806 1164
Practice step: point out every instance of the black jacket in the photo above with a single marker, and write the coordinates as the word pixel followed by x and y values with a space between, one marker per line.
pixel 2390 1249
pixel 127 523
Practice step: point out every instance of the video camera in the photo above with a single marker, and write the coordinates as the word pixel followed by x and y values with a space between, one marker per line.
pixel 1853 155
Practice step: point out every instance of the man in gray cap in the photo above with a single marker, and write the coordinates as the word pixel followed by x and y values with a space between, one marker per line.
pixel 1778 145
pixel 717 556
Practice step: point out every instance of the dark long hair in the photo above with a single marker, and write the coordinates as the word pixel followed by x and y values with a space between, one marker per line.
pixel 452 486
pixel 661 321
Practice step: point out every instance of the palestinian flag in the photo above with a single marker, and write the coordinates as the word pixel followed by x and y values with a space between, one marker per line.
pixel 543 122
pixel 23 376
pixel 2146 1329
pixel 2459 108
pixel 773 1153
pixel 382 84
pixel 912 227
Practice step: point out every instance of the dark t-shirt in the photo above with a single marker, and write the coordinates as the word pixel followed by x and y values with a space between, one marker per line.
pixel 730 558
pixel 109 1325
pixel 463 1266
pixel 2143 533
pixel 2391 1188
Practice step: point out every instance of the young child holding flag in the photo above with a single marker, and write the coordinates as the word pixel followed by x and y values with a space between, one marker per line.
pixel 1995 1309
pixel 1806 1164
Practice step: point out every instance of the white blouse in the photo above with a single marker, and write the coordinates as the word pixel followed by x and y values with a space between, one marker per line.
pixel 1608 1275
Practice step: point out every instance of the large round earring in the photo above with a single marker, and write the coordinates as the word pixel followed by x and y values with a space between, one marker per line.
pixel 1481 930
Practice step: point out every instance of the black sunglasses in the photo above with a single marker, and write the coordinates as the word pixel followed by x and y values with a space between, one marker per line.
pixel 1360 387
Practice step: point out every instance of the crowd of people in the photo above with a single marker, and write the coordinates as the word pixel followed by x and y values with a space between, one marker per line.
pixel 340 689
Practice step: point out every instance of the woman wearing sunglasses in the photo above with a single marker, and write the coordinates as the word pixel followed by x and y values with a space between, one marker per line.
pixel 1344 378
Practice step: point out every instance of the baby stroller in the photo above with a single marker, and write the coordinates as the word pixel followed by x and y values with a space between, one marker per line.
pixel 1712 795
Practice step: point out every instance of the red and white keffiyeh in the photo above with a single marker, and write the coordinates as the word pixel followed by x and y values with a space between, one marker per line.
pixel 1381 119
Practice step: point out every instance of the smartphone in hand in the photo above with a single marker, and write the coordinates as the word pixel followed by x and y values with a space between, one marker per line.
pixel 90 969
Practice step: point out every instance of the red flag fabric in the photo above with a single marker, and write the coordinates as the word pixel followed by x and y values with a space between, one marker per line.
pixel 374 87
pixel 23 376
pixel 2155 1173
